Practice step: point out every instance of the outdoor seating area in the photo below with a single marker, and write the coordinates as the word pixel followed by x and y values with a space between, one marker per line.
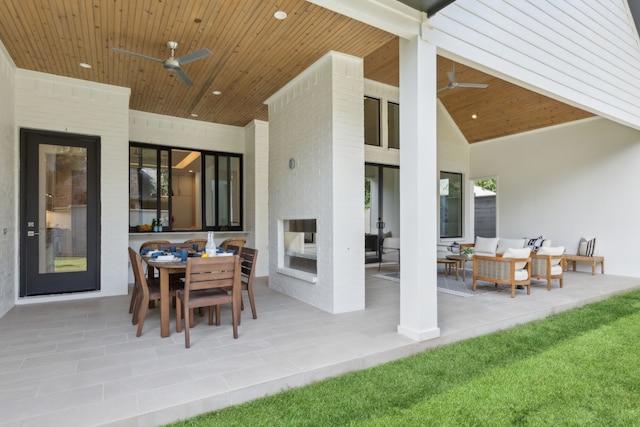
pixel 87 347
pixel 195 281
pixel 541 260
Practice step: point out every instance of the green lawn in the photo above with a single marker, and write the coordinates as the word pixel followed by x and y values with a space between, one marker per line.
pixel 578 368
pixel 67 264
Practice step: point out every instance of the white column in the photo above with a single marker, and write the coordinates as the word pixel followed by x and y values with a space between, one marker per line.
pixel 418 186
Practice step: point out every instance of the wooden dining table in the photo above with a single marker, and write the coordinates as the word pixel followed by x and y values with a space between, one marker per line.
pixel 165 269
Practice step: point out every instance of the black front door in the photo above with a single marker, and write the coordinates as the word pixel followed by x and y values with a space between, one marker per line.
pixel 60 200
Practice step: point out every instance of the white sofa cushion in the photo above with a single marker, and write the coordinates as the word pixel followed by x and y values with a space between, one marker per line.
pixel 546 250
pixel 504 244
pixel 518 253
pixel 485 246
pixel 521 274
pixel 556 270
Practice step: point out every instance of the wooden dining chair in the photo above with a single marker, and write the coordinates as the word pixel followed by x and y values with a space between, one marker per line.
pixel 152 244
pixel 235 241
pixel 235 249
pixel 202 243
pixel 248 260
pixel 148 289
pixel 205 282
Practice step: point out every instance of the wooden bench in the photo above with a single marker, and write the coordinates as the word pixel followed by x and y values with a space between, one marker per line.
pixel 593 260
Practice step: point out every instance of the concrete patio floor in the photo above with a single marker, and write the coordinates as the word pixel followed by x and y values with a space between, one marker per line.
pixel 79 363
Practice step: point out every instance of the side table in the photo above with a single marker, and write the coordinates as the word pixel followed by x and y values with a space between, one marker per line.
pixel 462 263
pixel 447 265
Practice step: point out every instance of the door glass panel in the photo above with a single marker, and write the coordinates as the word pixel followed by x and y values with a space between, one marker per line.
pixel 63 209
pixel 372 220
pixel 450 204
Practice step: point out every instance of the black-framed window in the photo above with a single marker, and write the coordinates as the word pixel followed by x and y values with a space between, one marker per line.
pixel 450 204
pixel 184 189
pixel 393 124
pixel 371 121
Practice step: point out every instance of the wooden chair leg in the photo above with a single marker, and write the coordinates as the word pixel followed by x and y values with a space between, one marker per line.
pixel 134 295
pixel 179 316
pixel 253 304
pixel 143 313
pixel 136 309
pixel 235 318
pixel 187 321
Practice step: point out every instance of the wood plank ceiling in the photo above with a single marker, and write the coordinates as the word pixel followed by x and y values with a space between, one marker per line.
pixel 254 55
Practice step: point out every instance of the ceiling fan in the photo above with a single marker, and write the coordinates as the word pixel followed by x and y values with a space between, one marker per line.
pixel 453 83
pixel 172 63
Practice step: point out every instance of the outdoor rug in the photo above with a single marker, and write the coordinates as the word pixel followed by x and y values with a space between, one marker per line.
pixel 449 284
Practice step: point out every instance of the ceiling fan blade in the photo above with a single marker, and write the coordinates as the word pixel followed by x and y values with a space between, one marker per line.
pixel 443 88
pixel 115 49
pixel 476 85
pixel 182 76
pixel 194 56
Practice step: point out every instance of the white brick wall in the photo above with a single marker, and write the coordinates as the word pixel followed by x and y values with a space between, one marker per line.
pixel 59 104
pixel 9 183
pixel 256 166
pixel 177 132
pixel 317 120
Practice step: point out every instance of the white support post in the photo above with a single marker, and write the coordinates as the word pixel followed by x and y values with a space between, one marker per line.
pixel 418 190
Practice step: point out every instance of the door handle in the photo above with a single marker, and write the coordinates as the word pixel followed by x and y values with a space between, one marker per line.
pixel 32 233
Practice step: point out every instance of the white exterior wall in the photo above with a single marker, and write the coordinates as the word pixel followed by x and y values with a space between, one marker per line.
pixel 453 156
pixel 317 120
pixel 585 53
pixel 567 182
pixel 9 185
pixel 49 102
pixel 177 132
pixel 256 178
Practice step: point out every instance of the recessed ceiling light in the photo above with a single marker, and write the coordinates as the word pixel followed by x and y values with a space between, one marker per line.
pixel 280 14
pixel 85 65
pixel 194 115
pixel 474 116
pixel 216 92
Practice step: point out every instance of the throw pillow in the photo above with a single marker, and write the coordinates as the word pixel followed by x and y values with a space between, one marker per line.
pixel 518 253
pixel 536 243
pixel 485 245
pixel 587 247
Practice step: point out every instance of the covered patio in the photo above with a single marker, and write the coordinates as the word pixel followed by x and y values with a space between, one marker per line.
pixel 79 362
